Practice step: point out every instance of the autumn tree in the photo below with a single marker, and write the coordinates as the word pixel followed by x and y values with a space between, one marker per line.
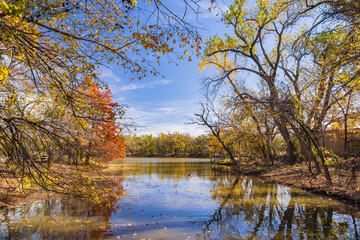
pixel 342 18
pixel 161 144
pixel 212 120
pixel 245 52
pixel 199 147
pixel 48 48
pixel 252 125
pixel 302 71
pixel 298 75
pixel 103 134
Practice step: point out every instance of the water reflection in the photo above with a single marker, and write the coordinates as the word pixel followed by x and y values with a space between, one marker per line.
pixel 251 208
pixel 183 199
pixel 56 219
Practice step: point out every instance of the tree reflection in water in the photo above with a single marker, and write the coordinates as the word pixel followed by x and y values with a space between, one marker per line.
pixel 249 208
pixel 181 199
pixel 62 218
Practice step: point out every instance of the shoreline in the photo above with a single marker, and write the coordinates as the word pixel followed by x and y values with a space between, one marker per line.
pixel 295 176
pixel 292 176
pixel 13 195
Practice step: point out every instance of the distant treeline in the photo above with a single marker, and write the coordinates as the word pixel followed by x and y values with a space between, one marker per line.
pixel 170 144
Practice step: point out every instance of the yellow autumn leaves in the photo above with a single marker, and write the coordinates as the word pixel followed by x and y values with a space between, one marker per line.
pixel 4 74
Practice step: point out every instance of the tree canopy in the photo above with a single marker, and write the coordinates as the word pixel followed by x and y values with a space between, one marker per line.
pixel 286 68
pixel 53 104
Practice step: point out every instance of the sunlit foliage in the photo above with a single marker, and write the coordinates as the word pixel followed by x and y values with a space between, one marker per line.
pixel 53 106
pixel 303 57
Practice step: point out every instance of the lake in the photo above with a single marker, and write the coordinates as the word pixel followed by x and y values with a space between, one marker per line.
pixel 172 198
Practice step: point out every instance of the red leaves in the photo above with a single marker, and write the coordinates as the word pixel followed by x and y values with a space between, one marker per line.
pixel 106 142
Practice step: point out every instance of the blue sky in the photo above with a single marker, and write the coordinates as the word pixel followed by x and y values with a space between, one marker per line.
pixel 164 104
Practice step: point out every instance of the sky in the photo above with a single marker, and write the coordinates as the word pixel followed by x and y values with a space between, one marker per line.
pixel 160 104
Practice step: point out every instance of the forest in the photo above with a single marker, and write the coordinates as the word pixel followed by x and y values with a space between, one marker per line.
pixel 168 145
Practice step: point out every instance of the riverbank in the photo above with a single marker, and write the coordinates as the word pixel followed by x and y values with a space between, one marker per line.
pixel 84 181
pixel 343 187
pixel 12 189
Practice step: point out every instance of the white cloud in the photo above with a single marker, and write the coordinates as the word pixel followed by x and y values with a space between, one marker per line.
pixel 169 118
pixel 107 73
pixel 154 117
pixel 113 80
pixel 162 82
pixel 172 109
pixel 144 85
pixel 130 87
pixel 120 99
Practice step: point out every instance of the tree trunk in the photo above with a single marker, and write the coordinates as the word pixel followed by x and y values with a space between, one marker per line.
pixel 289 143
pixel 346 135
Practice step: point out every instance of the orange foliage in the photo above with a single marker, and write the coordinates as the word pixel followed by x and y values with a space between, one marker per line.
pixel 106 142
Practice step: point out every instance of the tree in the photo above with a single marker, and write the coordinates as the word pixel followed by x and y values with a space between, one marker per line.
pixel 106 143
pixel 251 125
pixel 212 120
pixel 48 48
pixel 245 52
pixel 199 147
pixel 299 76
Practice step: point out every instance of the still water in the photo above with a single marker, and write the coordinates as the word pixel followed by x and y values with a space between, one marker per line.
pixel 186 199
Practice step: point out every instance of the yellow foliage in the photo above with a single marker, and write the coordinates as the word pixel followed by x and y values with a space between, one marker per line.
pixel 4 74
